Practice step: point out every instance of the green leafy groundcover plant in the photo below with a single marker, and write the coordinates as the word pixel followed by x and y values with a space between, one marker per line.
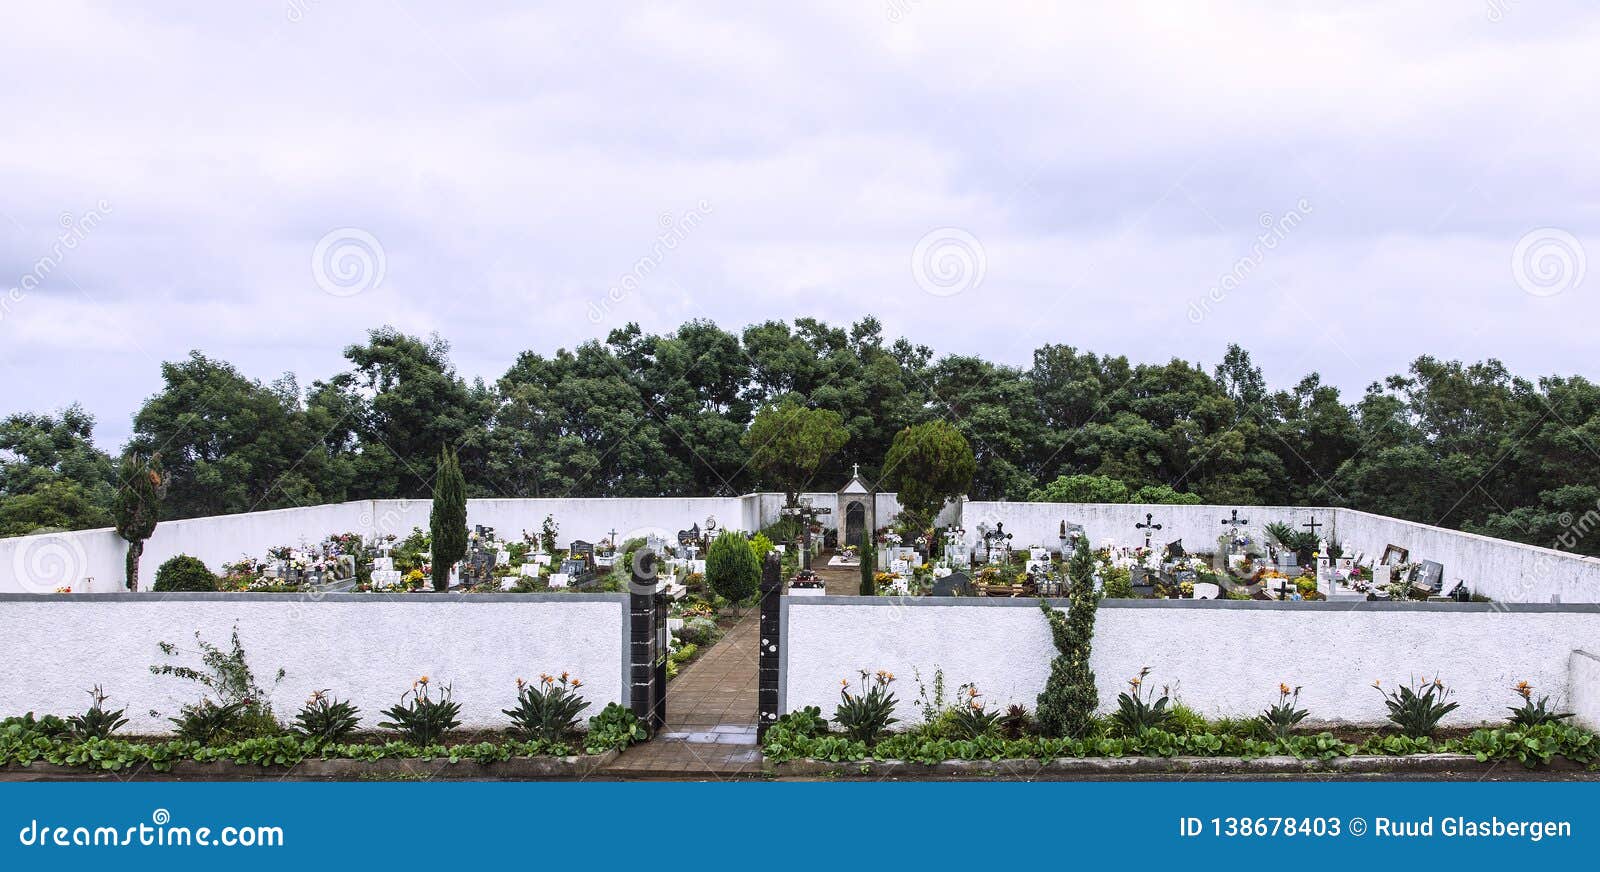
pixel 22 743
pixel 1531 746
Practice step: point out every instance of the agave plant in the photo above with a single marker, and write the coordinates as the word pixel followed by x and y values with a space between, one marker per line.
pixel 548 709
pixel 1282 718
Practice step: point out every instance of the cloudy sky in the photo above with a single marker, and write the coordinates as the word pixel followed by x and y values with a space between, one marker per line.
pixel 1339 188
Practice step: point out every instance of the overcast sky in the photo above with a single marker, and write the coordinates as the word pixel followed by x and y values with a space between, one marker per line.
pixel 1339 188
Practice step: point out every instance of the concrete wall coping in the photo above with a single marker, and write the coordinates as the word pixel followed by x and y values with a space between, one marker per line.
pixel 1242 605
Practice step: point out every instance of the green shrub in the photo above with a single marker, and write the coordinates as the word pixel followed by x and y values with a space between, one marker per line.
pixel 731 567
pixel 324 720
pixel 185 573
pixel 615 728
pixel 1116 583
pixel 547 711
pixel 1070 696
pixel 421 719
pixel 236 707
pixel 698 631
pixel 807 722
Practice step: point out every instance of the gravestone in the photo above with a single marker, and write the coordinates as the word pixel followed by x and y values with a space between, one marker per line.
pixel 1430 576
pixel 1205 590
pixel 1382 576
pixel 1175 550
pixel 581 550
pixel 954 584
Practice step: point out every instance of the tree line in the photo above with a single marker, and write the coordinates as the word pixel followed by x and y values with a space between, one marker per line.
pixel 1463 445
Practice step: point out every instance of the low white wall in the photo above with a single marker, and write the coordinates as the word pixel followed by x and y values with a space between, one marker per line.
pixel 1583 670
pixel 1221 658
pixel 367 648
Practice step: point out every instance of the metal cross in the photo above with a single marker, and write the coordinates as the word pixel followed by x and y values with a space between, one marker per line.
pixel 1236 521
pixel 1147 526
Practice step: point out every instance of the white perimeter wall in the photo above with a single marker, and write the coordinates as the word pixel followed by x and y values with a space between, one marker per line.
pixel 1222 658
pixel 40 564
pixel 1503 571
pixel 367 648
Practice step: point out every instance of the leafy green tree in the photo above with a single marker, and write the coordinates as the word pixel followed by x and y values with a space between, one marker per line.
pixel 232 444
pixel 406 403
pixel 51 473
pixel 1067 705
pixel 731 568
pixel 137 507
pixel 447 521
pixel 930 464
pixel 787 442
pixel 1081 488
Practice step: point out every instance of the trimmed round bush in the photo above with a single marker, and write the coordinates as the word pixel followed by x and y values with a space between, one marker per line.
pixel 185 573
pixel 698 631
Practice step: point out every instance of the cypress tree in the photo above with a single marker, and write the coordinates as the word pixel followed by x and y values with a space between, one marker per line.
pixel 447 523
pixel 1067 705
pixel 867 558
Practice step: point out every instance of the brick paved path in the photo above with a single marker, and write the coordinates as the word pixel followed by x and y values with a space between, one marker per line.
pixel 711 706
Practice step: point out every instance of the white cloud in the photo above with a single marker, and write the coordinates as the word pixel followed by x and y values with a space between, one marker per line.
pixel 514 163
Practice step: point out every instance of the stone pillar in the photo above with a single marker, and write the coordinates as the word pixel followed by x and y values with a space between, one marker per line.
pixel 647 650
pixel 771 634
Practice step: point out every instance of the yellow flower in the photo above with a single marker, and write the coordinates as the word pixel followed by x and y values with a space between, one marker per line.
pixel 1283 689
pixel 1524 688
pixel 576 683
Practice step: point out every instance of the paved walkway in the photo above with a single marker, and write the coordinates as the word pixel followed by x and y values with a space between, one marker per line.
pixel 711 715
pixel 712 704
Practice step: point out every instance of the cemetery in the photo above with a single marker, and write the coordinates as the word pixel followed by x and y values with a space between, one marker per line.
pixel 1205 616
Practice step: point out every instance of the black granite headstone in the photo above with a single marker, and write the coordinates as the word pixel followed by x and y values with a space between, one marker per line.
pixel 954 584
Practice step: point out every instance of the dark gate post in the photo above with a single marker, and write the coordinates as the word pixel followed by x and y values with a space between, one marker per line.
pixel 771 635
pixel 647 654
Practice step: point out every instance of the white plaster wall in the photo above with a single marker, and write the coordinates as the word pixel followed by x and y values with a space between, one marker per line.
pixel 1503 571
pixel 1197 526
pixel 365 648
pixel 1223 659
pixel 1584 689
pixel 40 564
